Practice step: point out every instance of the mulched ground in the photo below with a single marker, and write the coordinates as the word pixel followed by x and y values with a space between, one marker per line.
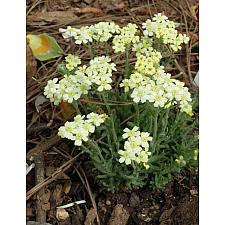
pixel 63 176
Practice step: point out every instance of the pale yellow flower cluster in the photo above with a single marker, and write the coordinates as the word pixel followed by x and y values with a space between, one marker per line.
pixel 100 32
pixel 151 83
pixel 80 129
pixel 164 29
pixel 126 37
pixel 97 75
pixel 136 147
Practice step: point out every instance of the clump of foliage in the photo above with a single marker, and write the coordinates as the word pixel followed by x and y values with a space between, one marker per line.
pixel 147 131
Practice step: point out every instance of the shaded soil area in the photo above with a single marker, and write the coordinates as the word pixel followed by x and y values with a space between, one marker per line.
pixel 63 176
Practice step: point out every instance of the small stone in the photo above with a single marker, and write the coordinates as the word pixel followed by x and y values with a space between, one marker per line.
pixel 108 202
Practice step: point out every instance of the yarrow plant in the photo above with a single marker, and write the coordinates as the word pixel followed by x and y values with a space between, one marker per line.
pixel 147 130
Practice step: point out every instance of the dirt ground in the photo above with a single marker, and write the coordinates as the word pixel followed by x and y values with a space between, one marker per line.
pixel 61 174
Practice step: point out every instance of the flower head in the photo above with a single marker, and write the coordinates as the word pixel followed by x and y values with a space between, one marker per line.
pixel 164 29
pixel 126 37
pixel 79 129
pixel 72 62
pixel 136 147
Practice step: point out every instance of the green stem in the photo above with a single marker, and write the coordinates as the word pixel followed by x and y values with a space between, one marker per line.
pixel 138 114
pixel 126 62
pixel 90 49
pixel 166 119
pixel 75 105
pixel 116 142
pixel 155 128
pixel 95 146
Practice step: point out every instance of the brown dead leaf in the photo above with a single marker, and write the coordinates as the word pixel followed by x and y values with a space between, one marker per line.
pixel 49 170
pixel 57 194
pixel 91 216
pixel 88 9
pixel 31 64
pixel 166 216
pixel 53 17
pixel 193 36
pixel 61 214
pixel 46 207
pixel 144 10
pixel 46 196
pixel 55 5
pixel 113 4
pixel 194 11
pixel 67 186
pixel 119 216
pixel 67 110
pixel 36 223
pixel 29 210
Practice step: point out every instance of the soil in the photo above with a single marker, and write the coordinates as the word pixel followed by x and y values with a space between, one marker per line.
pixel 68 178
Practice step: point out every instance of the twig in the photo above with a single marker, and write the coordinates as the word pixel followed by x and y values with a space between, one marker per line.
pixel 43 146
pixel 49 179
pixel 39 177
pixel 87 186
pixel 188 49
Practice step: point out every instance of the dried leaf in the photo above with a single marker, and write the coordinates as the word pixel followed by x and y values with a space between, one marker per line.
pixel 36 223
pixel 194 10
pixel 67 186
pixel 46 196
pixel 54 17
pixel 31 64
pixel 166 215
pixel 39 101
pixel 46 207
pixel 57 194
pixel 88 9
pixel 113 4
pixel 49 170
pixel 90 218
pixel 67 110
pixel 119 216
pixel 29 210
pixel 61 214
pixel 44 47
